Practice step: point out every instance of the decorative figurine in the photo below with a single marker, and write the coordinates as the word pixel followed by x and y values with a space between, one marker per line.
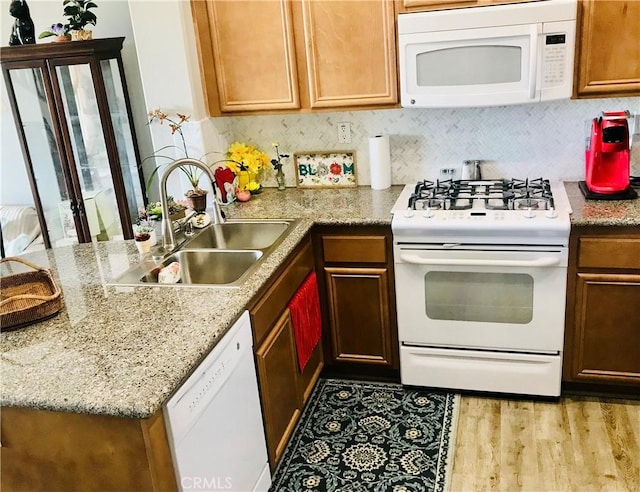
pixel 23 31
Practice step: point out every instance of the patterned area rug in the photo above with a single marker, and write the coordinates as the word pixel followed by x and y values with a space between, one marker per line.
pixel 363 437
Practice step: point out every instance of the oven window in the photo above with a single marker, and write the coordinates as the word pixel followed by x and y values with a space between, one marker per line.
pixel 488 297
pixel 469 65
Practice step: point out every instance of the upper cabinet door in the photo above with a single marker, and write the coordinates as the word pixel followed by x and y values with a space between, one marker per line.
pixel 609 48
pixel 247 50
pixel 350 52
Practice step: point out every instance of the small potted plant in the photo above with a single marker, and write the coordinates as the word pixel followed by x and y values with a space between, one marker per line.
pixel 177 210
pixel 144 226
pixel 59 32
pixel 79 16
pixel 143 241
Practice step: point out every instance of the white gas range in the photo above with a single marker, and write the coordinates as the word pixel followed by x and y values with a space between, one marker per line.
pixel 480 272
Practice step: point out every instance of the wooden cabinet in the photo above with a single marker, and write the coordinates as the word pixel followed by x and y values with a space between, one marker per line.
pixel 284 388
pixel 607 48
pixel 296 55
pixel 45 450
pixel 71 109
pixel 278 375
pixel 357 288
pixel 602 338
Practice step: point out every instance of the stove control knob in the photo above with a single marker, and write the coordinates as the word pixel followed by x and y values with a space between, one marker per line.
pixel 551 213
pixel 428 213
pixel 529 214
pixel 408 213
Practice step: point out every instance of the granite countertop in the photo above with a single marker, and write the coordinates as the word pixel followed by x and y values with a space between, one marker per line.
pixel 601 212
pixel 123 351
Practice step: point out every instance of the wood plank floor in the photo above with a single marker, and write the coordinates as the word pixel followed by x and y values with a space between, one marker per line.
pixel 577 444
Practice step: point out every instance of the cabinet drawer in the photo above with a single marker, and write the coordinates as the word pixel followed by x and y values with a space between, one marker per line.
pixel 265 313
pixel 354 249
pixel 609 253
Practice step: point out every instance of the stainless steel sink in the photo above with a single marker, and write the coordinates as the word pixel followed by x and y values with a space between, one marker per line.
pixel 260 234
pixel 208 267
pixel 220 255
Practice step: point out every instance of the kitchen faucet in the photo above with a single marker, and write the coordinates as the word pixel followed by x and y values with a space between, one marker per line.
pixel 168 234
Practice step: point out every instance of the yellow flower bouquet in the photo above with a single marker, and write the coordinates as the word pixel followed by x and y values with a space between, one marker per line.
pixel 247 162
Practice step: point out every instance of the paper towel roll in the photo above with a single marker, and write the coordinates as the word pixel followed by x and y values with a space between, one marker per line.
pixel 380 162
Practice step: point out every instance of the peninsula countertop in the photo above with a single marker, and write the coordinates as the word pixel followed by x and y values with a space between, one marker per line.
pixel 123 351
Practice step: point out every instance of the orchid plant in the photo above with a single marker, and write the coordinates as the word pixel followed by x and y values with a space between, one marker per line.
pixel 192 173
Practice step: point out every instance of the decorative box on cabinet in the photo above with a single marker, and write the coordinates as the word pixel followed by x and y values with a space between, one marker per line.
pixel 602 337
pixel 357 290
pixel 293 60
pixel 72 113
pixel 284 388
pixel 607 48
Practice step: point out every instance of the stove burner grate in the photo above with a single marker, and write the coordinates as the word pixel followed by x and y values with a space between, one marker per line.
pixel 499 194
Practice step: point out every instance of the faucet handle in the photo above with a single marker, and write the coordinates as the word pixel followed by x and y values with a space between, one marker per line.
pixel 188 228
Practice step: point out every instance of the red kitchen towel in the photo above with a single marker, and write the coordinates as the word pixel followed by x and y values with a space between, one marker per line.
pixel 305 316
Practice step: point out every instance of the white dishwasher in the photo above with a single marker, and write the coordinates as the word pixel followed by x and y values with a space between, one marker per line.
pixel 214 421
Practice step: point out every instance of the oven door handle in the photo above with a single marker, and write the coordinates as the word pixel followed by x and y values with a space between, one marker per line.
pixel 539 262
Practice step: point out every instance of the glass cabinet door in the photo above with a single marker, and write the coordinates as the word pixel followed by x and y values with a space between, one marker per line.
pixel 123 134
pixel 93 173
pixel 49 176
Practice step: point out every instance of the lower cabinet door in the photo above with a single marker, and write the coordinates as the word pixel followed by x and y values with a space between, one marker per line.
pixel 607 328
pixel 278 377
pixel 360 322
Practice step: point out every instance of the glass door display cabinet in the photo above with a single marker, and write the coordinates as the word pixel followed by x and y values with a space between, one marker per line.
pixel 72 112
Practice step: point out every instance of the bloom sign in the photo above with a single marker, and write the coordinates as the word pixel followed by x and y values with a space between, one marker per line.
pixel 325 169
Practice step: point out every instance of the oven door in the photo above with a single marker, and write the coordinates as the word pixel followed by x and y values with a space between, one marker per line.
pixel 495 298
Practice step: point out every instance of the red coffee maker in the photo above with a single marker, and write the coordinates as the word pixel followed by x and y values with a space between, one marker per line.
pixel 607 158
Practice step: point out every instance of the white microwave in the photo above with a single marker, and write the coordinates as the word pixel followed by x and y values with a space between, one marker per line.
pixel 487 56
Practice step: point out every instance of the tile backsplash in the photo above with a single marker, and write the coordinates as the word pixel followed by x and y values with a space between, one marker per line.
pixel 533 140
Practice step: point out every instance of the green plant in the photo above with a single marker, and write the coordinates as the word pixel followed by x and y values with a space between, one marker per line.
pixel 78 14
pixel 58 29
pixel 154 210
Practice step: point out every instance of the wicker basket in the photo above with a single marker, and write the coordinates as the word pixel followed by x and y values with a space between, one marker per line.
pixel 27 297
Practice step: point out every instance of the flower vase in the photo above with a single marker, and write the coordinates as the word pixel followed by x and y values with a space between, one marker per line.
pixel 244 178
pixel 280 180
pixel 81 35
pixel 248 181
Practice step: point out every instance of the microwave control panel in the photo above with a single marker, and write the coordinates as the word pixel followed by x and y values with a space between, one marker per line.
pixel 554 59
